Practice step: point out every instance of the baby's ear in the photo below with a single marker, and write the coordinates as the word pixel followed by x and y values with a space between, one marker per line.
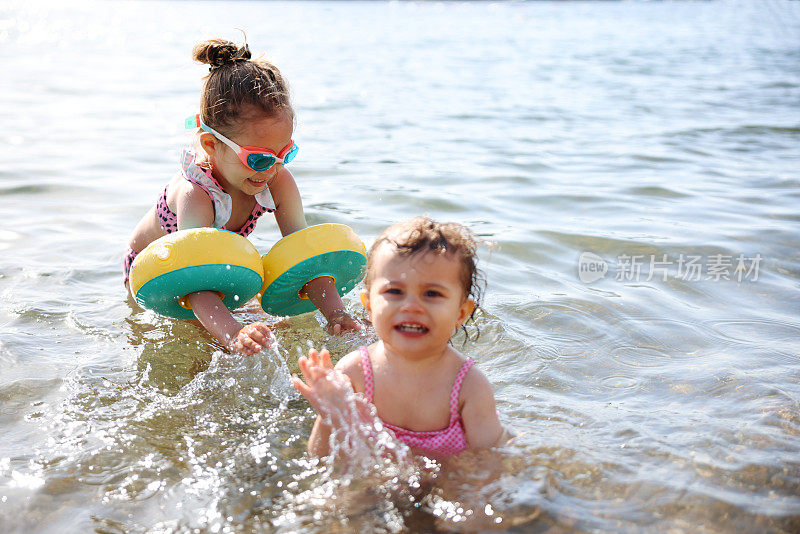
pixel 467 307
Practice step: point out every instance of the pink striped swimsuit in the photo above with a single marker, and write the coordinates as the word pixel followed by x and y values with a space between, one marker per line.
pixel 445 442
pixel 222 204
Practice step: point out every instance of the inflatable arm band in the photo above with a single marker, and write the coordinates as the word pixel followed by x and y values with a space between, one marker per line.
pixel 199 259
pixel 332 250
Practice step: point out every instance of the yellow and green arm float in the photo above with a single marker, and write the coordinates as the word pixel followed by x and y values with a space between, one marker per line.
pixel 209 259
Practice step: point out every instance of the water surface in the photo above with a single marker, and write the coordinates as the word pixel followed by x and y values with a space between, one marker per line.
pixel 653 136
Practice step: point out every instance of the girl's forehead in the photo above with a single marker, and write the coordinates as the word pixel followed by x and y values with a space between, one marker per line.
pixel 390 262
pixel 267 125
pixel 265 132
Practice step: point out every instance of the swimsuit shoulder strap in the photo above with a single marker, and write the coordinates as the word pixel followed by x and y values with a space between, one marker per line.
pixel 456 391
pixel 366 367
pixel 195 174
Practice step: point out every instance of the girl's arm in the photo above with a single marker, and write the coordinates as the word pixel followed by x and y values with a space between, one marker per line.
pixel 478 413
pixel 219 322
pixel 290 217
pixel 195 210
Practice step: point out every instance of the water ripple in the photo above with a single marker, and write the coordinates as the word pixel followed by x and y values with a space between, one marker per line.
pixel 759 332
pixel 639 356
pixel 549 128
pixel 620 381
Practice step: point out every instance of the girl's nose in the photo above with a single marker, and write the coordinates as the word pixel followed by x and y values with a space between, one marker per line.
pixel 412 304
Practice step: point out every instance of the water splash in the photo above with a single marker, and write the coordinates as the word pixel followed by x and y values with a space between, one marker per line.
pixel 368 482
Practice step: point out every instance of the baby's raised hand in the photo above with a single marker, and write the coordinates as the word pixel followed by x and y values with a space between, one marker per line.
pixel 325 388
pixel 252 338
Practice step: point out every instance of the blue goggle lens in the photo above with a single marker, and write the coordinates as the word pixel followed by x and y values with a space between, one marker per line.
pixel 260 162
pixel 290 155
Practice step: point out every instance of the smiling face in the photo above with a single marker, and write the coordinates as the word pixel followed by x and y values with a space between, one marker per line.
pixel 273 133
pixel 416 302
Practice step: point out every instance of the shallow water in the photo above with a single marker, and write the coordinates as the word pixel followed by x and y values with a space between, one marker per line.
pixel 662 138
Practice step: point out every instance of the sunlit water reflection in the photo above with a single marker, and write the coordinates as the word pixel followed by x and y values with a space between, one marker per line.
pixel 646 134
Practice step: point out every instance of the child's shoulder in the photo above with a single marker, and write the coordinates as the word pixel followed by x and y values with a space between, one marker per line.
pixel 282 183
pixel 350 365
pixel 475 384
pixel 181 188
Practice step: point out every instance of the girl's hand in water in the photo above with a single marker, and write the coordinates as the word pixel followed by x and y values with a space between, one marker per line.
pixel 252 338
pixel 325 388
pixel 340 321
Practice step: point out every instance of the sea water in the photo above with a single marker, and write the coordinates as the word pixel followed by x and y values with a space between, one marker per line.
pixel 632 168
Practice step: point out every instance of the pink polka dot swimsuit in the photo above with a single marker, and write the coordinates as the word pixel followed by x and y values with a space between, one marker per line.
pixel 444 442
pixel 221 200
pixel 169 221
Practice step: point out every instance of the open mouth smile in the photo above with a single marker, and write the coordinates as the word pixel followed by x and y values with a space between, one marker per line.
pixel 411 328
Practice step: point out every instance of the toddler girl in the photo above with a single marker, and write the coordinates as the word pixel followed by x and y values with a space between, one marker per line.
pixel 236 175
pixel 420 284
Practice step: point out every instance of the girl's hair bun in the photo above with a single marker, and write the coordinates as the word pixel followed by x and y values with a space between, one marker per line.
pixel 219 52
pixel 237 85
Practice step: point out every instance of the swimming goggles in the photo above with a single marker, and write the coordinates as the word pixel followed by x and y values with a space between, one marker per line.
pixel 253 157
